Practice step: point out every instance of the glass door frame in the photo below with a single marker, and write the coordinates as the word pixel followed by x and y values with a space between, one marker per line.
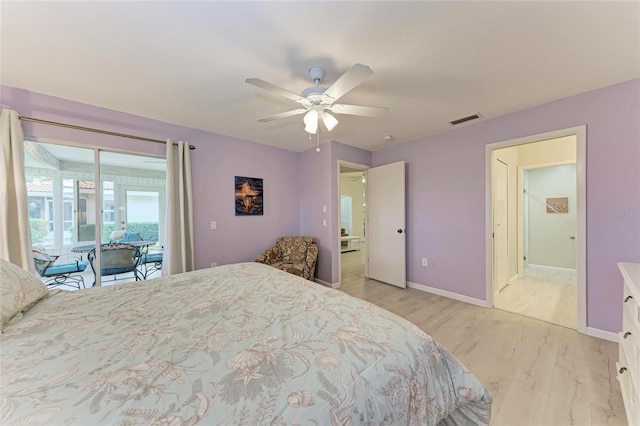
pixel 98 199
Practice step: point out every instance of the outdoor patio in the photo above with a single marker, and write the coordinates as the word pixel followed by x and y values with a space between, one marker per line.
pixel 67 256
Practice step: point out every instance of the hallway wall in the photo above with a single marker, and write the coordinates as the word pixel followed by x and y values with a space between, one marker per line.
pixel 549 232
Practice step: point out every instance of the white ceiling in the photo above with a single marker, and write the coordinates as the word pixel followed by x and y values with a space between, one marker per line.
pixel 433 62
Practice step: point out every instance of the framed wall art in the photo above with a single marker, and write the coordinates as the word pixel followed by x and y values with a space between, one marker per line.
pixel 249 196
pixel 558 205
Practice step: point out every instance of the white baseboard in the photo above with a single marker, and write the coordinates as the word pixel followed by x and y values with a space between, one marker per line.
pixel 551 268
pixel 449 294
pixel 601 334
pixel 327 284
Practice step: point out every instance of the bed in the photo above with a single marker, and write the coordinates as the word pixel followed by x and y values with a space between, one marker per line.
pixel 237 344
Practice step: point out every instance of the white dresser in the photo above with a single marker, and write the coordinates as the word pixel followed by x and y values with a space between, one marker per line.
pixel 629 365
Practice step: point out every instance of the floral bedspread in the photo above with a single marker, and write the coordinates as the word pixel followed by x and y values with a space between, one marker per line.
pixel 236 344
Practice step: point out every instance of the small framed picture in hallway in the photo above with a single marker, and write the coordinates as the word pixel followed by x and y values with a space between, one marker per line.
pixel 558 205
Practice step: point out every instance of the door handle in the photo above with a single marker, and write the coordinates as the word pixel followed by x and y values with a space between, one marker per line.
pixel 573 237
pixel 399 231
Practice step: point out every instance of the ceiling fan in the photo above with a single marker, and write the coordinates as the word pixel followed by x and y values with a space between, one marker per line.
pixel 318 102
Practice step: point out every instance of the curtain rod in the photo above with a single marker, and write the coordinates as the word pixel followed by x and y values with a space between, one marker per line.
pixel 89 129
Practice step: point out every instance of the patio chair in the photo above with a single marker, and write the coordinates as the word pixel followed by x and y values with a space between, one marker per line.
pixel 117 258
pixel 62 274
pixel 150 262
pixel 296 255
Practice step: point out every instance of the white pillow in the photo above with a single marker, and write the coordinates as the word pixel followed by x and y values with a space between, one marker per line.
pixel 19 289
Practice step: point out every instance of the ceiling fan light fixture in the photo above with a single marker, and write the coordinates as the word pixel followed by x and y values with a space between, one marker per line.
pixel 330 122
pixel 311 121
pixel 317 101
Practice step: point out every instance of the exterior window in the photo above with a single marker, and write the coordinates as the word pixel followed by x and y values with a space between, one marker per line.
pixel 36 207
pixel 50 214
pixel 40 203
pixel 67 211
pixel 108 202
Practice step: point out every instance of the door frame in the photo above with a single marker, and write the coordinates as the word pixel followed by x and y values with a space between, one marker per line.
pixel 495 285
pixel 581 161
pixel 338 248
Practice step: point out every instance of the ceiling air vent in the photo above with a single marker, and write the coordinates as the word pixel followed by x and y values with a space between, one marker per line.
pixel 465 119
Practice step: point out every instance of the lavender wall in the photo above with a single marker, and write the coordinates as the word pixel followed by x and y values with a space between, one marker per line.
pixel 215 162
pixel 319 187
pixel 446 194
pixel 315 192
pixel 241 238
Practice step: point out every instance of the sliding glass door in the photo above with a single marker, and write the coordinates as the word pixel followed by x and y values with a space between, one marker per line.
pixel 59 180
pixel 71 219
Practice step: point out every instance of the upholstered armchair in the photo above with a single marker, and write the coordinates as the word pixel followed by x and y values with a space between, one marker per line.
pixel 296 255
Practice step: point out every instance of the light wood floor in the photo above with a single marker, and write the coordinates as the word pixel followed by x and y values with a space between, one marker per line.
pixel 539 374
pixel 541 298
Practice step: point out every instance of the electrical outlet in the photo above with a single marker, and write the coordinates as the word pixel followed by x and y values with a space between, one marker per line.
pixel 214 264
pixel 425 262
pixel 324 222
pixel 214 226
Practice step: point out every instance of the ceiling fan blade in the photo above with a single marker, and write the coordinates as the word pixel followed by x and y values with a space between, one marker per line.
pixel 278 90
pixel 366 111
pixel 283 115
pixel 347 81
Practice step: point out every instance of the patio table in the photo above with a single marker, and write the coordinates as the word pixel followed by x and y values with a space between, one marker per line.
pixel 88 248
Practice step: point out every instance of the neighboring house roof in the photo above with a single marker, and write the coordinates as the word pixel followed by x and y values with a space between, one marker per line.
pixel 47 185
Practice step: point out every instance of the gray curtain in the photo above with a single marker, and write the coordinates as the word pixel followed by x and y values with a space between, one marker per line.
pixel 178 248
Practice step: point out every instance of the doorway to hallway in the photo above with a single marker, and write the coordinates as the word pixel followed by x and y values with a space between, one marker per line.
pixel 547 287
pixel 351 188
pixel 537 228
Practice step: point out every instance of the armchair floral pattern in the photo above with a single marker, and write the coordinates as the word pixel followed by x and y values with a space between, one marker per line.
pixel 294 254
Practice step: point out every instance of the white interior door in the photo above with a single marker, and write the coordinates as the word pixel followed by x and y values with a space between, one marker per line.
pixel 385 231
pixel 500 226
